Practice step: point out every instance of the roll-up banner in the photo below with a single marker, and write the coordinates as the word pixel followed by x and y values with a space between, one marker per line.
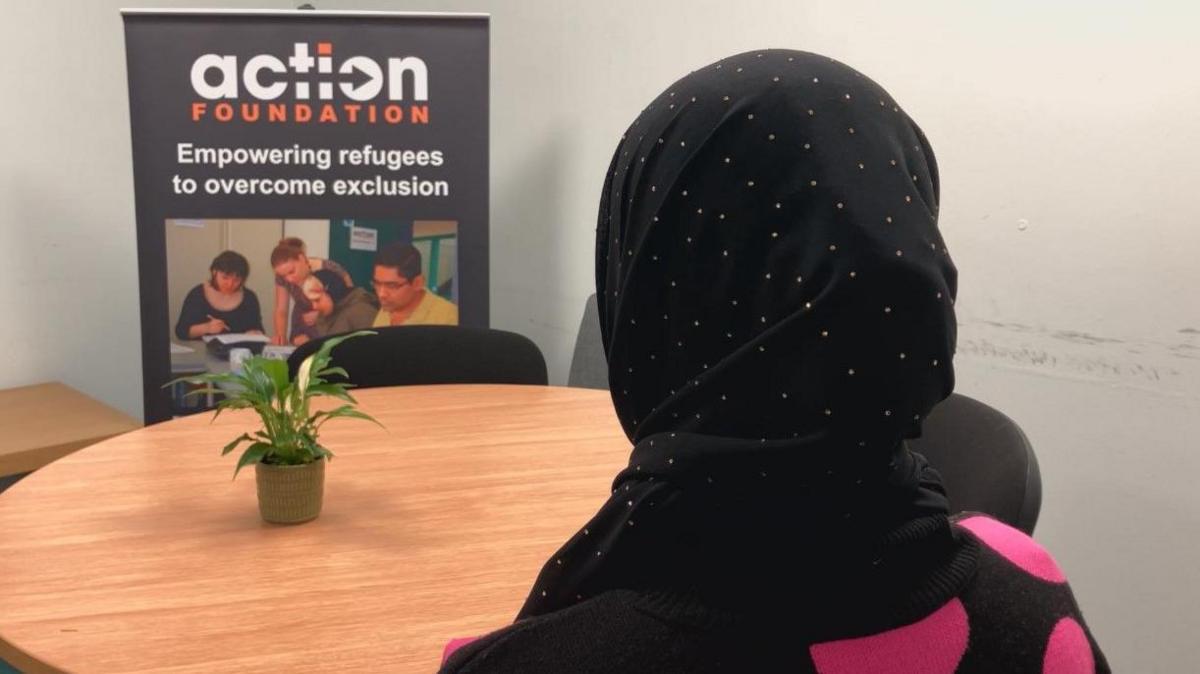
pixel 299 174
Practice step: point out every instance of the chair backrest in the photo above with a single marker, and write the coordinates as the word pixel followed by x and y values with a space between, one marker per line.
pixel 985 460
pixel 434 354
pixel 589 368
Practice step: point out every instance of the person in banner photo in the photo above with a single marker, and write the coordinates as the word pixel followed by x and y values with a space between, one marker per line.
pixel 223 303
pixel 292 266
pixel 339 308
pixel 403 297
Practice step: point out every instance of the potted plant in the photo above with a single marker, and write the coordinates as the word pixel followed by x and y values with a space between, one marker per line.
pixel 289 462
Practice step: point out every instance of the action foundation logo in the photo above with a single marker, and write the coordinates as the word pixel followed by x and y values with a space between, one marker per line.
pixel 265 88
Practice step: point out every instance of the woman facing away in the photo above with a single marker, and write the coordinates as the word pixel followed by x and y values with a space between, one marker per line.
pixel 777 309
pixel 221 304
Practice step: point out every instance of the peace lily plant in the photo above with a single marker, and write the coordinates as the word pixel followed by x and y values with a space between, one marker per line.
pixel 288 459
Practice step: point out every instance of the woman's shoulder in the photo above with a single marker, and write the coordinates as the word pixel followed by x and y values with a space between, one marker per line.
pixel 357 305
pixel 1022 553
pixel 196 294
pixel 1020 597
pixel 361 296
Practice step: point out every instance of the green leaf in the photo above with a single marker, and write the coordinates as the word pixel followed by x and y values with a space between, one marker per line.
pixel 262 385
pixel 202 391
pixel 253 454
pixel 230 404
pixel 234 402
pixel 278 372
pixel 288 391
pixel 332 390
pixel 347 412
pixel 334 371
pixel 244 437
pixel 329 344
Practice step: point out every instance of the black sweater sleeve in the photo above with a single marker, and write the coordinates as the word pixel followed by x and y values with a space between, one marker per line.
pixel 195 310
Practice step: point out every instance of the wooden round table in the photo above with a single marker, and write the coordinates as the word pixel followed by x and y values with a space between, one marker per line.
pixel 139 554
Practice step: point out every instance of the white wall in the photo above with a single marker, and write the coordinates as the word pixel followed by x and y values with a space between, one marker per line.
pixel 1067 138
pixel 315 234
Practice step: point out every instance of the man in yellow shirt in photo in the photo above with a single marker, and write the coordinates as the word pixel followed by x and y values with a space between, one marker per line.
pixel 403 297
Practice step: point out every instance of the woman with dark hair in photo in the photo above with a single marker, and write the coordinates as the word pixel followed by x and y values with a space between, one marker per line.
pixel 777 309
pixel 223 304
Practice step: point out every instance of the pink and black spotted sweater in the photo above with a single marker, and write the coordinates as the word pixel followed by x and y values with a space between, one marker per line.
pixel 999 603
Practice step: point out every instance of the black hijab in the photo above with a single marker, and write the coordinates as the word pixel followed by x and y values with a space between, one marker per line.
pixel 776 306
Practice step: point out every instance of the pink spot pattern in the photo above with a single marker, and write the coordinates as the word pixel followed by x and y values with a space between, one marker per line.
pixel 1016 547
pixel 933 645
pixel 1068 651
pixel 454 645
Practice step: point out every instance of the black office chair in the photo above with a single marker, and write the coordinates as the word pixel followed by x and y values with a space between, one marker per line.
pixel 7 481
pixel 433 354
pixel 589 367
pixel 985 460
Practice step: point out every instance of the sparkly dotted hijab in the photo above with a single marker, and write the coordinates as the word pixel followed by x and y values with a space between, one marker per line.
pixel 776 306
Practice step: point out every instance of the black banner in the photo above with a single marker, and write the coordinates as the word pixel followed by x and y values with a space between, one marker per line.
pixel 299 174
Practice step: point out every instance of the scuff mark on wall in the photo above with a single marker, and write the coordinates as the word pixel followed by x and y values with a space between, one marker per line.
pixel 1170 367
pixel 1083 338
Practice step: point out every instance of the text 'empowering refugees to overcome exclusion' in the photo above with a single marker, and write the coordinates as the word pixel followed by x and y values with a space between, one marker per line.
pixel 387 182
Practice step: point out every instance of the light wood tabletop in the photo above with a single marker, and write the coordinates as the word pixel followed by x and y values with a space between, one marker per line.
pixel 139 554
